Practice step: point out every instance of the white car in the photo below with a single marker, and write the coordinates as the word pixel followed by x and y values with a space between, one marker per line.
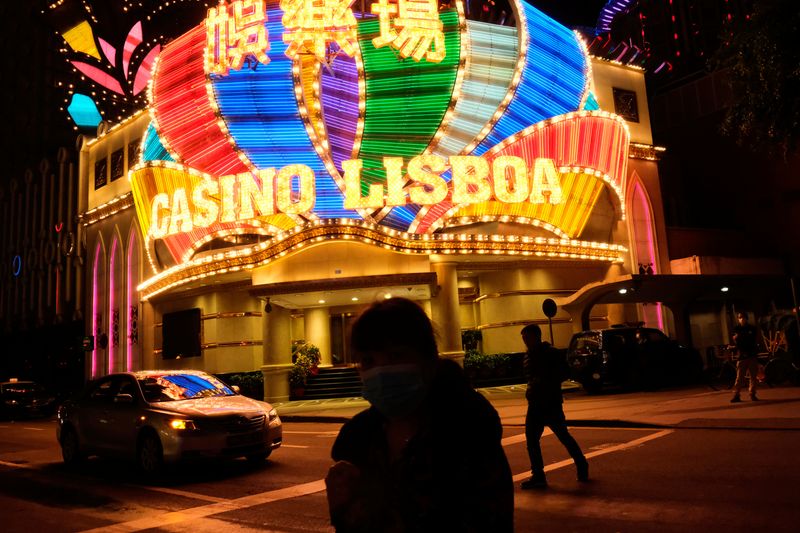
pixel 157 417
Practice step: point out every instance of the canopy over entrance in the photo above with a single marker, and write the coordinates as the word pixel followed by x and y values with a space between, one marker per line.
pixel 678 292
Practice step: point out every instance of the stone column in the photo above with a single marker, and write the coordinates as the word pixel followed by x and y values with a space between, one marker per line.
pixel 318 332
pixel 277 353
pixel 445 312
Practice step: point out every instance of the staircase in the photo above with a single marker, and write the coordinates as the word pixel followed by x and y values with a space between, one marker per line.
pixel 334 382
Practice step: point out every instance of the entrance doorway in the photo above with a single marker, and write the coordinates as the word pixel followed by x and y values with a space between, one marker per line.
pixel 340 338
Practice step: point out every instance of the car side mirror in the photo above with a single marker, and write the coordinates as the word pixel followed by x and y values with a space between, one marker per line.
pixel 236 389
pixel 123 398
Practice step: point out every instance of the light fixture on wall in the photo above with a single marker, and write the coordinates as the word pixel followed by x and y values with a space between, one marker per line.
pixel 268 307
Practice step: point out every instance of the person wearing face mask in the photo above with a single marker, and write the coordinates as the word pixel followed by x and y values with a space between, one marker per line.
pixel 426 455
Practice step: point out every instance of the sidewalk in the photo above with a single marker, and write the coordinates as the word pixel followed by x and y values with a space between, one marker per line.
pixel 695 407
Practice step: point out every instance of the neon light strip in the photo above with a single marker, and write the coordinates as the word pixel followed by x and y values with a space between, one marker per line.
pixel 406 102
pixel 152 149
pixel 609 13
pixel 131 270
pixel 340 107
pixel 182 114
pixel 264 120
pixel 490 68
pixel 580 192
pixel 112 300
pixel 589 139
pixel 346 229
pixel 553 79
pixel 95 304
pixel 550 79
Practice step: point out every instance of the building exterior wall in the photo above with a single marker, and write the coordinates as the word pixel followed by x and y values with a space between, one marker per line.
pixel 492 275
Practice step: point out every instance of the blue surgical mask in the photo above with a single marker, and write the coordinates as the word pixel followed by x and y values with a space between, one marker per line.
pixel 394 390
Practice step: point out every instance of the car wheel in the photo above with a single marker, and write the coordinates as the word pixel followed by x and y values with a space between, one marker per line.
pixel 150 454
pixel 71 447
pixel 259 457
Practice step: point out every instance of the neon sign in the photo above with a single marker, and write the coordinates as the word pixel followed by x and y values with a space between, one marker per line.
pixel 244 197
pixel 416 120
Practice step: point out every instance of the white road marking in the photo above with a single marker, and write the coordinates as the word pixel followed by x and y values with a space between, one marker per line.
pixel 616 448
pixel 212 508
pixel 14 465
pixel 292 446
pixel 33 429
pixel 185 493
pixel 220 505
pixel 317 433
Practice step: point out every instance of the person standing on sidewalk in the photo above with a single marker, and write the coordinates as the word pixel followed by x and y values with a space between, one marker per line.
pixel 745 337
pixel 427 454
pixel 546 368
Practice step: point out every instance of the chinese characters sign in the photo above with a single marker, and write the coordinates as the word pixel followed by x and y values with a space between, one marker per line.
pixel 420 33
pixel 235 33
pixel 312 24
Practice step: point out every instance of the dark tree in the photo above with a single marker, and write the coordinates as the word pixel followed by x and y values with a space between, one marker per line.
pixel 762 55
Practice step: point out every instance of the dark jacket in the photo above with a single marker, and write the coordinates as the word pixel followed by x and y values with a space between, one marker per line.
pixel 452 476
pixel 746 341
pixel 546 368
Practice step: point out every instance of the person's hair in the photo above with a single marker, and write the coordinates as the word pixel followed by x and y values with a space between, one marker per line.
pixel 393 323
pixel 533 329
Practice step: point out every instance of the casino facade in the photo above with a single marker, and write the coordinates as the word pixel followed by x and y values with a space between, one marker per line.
pixel 296 163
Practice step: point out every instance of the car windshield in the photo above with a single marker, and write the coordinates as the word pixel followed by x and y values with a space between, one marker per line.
pixel 21 388
pixel 172 387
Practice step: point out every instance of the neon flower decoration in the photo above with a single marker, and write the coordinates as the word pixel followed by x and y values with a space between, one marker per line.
pixel 81 39
pixel 471 121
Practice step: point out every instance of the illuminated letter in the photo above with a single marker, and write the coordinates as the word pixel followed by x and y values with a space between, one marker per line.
pixel 232 38
pixel 311 24
pixel 510 188
pixel 206 209
pixel 251 194
pixel 470 179
pixel 546 186
pixel 430 187
pixel 307 190
pixel 181 217
pixel 394 181
pixel 226 184
pixel 421 32
pixel 159 230
pixel 352 191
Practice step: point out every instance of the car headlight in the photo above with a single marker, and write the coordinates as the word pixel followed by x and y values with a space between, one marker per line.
pixel 181 424
pixel 11 402
pixel 273 414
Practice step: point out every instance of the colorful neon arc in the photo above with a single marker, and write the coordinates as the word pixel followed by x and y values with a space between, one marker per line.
pixel 253 89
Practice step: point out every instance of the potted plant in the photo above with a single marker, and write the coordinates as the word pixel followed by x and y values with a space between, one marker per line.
pixel 298 375
pixel 308 355
pixel 470 339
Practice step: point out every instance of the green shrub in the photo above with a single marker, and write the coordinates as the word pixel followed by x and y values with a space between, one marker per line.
pixel 251 384
pixel 477 362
